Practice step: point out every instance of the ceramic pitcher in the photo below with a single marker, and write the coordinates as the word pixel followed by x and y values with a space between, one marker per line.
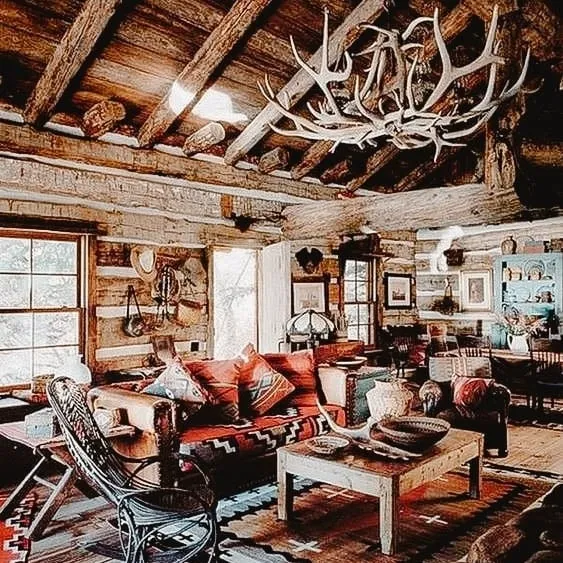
pixel 517 343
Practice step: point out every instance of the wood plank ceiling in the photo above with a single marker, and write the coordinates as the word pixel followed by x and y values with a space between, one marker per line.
pixel 64 61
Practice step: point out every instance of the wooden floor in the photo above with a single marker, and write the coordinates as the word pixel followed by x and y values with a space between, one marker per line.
pixel 530 448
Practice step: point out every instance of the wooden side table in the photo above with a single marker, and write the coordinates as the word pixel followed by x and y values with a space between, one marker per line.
pixel 52 450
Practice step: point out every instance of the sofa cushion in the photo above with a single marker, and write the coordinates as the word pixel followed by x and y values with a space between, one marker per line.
pixel 177 383
pixel 220 379
pixel 443 369
pixel 299 369
pixel 260 385
pixel 264 434
pixel 469 392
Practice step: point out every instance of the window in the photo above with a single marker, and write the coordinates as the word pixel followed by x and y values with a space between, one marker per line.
pixel 235 296
pixel 42 313
pixel 358 289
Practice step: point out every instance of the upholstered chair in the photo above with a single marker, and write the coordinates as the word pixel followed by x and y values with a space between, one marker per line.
pixel 462 391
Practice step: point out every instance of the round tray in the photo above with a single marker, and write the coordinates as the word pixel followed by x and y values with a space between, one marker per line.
pixel 414 432
pixel 327 445
pixel 354 362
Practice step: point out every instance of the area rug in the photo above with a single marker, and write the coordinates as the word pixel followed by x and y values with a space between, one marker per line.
pixel 438 521
pixel 14 545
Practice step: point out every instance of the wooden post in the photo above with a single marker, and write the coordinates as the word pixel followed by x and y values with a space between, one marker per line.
pixel 203 138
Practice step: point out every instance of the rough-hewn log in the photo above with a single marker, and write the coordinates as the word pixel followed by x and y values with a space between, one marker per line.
pixel 338 173
pixel 276 159
pixel 451 25
pixel 301 82
pixel 70 54
pixel 102 117
pixel 203 138
pixel 187 87
pixel 18 139
pixel 471 204
pixel 543 154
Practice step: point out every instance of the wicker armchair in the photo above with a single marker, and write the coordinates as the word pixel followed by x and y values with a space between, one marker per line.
pixel 155 523
pixel 476 403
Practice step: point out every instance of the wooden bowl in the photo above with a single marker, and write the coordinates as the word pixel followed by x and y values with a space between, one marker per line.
pixel 414 432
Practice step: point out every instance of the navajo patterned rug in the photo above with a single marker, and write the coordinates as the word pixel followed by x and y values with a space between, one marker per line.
pixel 438 521
pixel 14 546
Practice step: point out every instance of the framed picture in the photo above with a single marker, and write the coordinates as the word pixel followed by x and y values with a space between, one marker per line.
pixel 476 291
pixel 398 291
pixel 309 295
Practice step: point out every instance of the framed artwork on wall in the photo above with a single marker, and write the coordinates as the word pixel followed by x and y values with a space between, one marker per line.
pixel 309 295
pixel 398 291
pixel 476 291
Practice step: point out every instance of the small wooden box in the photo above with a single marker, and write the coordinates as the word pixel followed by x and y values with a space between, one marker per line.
pixel 39 383
pixel 42 424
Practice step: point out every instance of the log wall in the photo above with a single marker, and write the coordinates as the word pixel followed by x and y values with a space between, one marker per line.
pixel 481 245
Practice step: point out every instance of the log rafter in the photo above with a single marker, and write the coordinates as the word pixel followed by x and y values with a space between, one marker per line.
pixel 69 56
pixel 186 89
pixel 24 140
pixel 342 38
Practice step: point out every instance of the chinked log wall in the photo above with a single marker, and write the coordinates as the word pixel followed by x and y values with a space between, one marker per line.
pixel 177 220
pixel 481 245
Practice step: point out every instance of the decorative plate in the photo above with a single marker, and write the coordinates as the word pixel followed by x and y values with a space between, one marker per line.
pixel 533 270
pixel 352 362
pixel 327 445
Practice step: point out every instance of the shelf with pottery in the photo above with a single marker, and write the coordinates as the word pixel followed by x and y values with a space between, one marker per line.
pixel 530 284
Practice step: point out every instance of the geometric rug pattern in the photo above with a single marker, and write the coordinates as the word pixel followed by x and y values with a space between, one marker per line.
pixel 14 546
pixel 438 521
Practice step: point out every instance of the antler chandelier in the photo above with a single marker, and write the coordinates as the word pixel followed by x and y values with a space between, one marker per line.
pixel 386 104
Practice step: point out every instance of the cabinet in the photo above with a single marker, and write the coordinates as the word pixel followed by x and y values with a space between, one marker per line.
pixel 529 283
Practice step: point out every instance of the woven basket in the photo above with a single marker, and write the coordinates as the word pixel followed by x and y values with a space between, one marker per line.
pixel 327 445
pixel 388 398
pixel 414 432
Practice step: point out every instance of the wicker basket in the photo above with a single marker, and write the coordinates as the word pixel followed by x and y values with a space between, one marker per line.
pixel 388 398
pixel 327 445
pixel 414 432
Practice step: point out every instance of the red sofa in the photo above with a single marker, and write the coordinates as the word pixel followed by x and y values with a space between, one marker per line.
pixel 245 450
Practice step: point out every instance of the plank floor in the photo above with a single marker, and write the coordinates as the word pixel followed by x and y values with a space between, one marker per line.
pixel 530 448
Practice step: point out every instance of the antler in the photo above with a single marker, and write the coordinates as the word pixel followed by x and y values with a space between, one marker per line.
pixel 396 114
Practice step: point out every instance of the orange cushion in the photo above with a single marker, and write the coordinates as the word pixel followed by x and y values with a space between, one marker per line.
pixel 469 392
pixel 220 379
pixel 299 369
pixel 260 385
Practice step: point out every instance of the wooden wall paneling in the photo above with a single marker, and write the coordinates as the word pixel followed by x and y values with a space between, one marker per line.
pixel 91 296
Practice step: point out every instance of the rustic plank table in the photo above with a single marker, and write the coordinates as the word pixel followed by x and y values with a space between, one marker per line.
pixel 387 479
pixel 49 450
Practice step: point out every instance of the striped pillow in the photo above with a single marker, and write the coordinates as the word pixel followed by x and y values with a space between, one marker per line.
pixel 260 386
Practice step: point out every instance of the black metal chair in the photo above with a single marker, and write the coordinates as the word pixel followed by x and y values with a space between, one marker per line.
pixel 155 523
pixel 474 346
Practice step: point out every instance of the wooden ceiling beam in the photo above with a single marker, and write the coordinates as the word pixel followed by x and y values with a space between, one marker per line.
pixel 472 204
pixel 186 89
pixel 546 153
pixel 69 56
pixel 451 25
pixel 342 38
pixel 24 140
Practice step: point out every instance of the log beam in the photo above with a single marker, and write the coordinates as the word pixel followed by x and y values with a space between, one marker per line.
pixel 24 140
pixel 342 38
pixel 543 154
pixel 471 204
pixel 186 89
pixel 69 56
pixel 204 138
pixel 451 25
pixel 276 159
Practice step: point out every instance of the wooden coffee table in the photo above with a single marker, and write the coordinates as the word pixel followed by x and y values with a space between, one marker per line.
pixel 387 479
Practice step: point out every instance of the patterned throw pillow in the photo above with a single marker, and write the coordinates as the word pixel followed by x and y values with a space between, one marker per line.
pixel 177 383
pixel 299 369
pixel 220 378
pixel 469 392
pixel 260 386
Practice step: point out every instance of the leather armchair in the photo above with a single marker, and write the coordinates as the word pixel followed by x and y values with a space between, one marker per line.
pixel 484 405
